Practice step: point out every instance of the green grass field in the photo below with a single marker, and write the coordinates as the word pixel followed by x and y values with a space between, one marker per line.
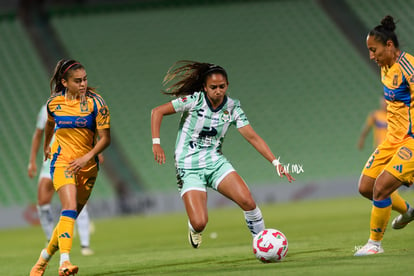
pixel 322 236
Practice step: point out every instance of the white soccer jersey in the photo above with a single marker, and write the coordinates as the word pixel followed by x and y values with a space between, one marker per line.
pixel 41 118
pixel 40 124
pixel 202 129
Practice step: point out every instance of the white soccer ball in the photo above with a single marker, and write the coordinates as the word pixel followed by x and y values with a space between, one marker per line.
pixel 270 246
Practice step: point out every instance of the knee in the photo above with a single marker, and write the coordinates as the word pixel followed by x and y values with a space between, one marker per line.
pixel 366 186
pixel 247 204
pixel 365 191
pixel 379 192
pixel 199 223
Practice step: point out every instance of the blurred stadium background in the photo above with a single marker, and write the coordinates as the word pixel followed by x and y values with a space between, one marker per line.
pixel 299 68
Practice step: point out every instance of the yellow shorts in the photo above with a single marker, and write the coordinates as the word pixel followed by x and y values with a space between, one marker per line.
pixel 84 180
pixel 393 158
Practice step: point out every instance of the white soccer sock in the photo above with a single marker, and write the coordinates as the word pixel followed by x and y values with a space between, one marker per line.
pixel 46 219
pixel 254 221
pixel 378 243
pixel 45 255
pixel 63 258
pixel 83 222
pixel 191 228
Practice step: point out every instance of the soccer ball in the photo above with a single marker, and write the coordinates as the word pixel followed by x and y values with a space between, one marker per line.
pixel 270 246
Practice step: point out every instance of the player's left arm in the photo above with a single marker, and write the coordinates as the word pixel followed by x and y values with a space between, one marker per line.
pixel 261 146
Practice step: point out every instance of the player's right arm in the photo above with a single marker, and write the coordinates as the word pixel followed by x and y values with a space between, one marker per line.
pixel 156 118
pixel 49 129
pixel 365 130
pixel 34 149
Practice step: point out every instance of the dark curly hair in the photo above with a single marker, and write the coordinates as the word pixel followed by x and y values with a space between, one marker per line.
pixel 385 31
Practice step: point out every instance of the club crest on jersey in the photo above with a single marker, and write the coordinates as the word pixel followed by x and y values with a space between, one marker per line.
pixel 395 80
pixel 84 107
pixel 225 116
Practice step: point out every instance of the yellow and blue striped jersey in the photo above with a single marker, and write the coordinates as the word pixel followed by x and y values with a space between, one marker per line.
pixel 76 124
pixel 398 83
pixel 378 121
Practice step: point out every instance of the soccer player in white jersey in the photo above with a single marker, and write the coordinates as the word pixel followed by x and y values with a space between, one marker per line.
pixel 46 190
pixel 207 113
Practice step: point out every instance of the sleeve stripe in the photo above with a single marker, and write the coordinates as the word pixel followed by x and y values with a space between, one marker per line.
pixel 407 66
pixel 98 98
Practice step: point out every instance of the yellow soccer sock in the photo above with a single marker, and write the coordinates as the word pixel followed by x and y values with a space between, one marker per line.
pixel 398 203
pixel 380 215
pixel 65 230
pixel 53 245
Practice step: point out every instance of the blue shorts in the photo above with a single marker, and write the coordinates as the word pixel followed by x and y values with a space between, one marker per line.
pixel 201 178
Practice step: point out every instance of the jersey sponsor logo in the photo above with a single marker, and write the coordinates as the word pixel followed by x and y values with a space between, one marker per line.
pixel 208 132
pixel 405 153
pixel 398 168
pixel 389 95
pixel 81 122
pixel 200 112
pixel 184 99
pixel 61 122
pixel 58 107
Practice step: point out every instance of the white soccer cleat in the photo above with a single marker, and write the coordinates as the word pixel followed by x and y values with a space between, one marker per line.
pixel 402 220
pixel 86 251
pixel 194 239
pixel 369 249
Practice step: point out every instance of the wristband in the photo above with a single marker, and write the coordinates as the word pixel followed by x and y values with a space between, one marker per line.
pixel 276 162
pixel 156 141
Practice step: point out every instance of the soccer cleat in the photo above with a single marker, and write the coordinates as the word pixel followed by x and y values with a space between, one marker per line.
pixel 194 239
pixel 39 268
pixel 369 249
pixel 86 251
pixel 402 220
pixel 67 269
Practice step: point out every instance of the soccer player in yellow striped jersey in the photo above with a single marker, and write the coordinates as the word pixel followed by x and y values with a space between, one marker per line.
pixel 391 165
pixel 77 116
pixel 377 121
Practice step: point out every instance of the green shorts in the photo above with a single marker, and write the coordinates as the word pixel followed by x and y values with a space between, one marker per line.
pixel 201 178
